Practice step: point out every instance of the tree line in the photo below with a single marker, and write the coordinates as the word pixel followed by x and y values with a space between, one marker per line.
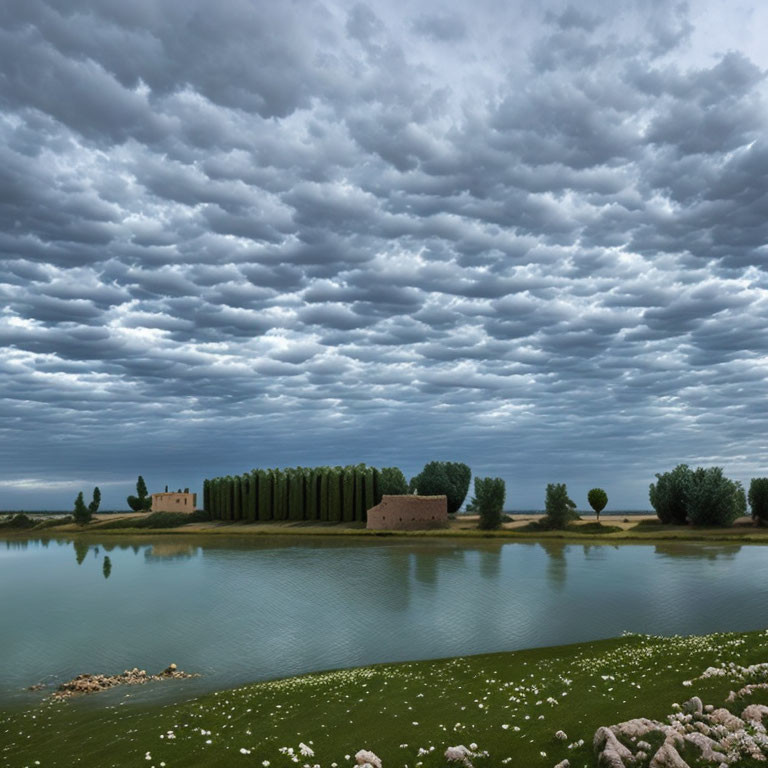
pixel 705 496
pixel 327 494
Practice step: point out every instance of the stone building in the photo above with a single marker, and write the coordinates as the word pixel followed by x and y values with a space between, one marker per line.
pixel 409 513
pixel 174 502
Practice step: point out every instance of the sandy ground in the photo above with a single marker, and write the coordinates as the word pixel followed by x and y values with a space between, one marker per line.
pixel 463 522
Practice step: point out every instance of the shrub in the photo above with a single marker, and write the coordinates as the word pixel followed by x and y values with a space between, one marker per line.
pixel 488 501
pixel 713 499
pixel 597 499
pixel 758 498
pixel 559 508
pixel 450 478
pixel 392 482
pixel 157 520
pixel 19 520
pixel 669 495
pixel 81 514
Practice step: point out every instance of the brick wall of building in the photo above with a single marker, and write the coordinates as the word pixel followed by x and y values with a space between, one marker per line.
pixel 174 502
pixel 409 513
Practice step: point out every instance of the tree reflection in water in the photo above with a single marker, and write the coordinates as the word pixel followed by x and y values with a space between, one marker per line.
pixel 81 550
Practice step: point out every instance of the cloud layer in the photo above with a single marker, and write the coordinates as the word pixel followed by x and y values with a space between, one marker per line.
pixel 532 239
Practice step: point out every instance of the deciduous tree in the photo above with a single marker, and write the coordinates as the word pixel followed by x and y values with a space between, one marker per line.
pixel 597 499
pixel 488 501
pixel 449 478
pixel 81 514
pixel 758 498
pixel 669 495
pixel 559 508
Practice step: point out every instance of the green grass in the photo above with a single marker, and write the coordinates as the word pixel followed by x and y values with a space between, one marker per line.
pixel 154 520
pixel 583 529
pixel 394 710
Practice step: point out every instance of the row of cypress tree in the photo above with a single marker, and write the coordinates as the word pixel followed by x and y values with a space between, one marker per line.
pixel 333 494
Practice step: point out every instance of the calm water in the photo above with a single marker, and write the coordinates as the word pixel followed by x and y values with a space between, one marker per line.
pixel 238 612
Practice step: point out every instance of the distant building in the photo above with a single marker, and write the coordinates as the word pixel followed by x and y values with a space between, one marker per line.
pixel 409 513
pixel 174 502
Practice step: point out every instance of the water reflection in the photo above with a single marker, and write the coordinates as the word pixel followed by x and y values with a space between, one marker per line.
pixel 698 551
pixel 81 550
pixel 11 544
pixel 171 551
pixel 556 563
pixel 281 606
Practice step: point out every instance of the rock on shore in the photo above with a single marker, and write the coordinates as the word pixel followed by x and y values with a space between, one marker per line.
pixel 716 737
pixel 89 683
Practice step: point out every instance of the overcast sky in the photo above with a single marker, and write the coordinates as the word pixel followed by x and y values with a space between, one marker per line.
pixel 528 236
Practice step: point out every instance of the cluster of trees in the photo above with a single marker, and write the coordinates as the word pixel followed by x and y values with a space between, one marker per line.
pixel 560 509
pixel 334 494
pixel 84 514
pixel 705 496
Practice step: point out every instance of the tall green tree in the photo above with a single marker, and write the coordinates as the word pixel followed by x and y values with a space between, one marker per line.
pixel 669 495
pixel 488 501
pixel 93 507
pixel 449 478
pixel 81 513
pixel 265 488
pixel 392 481
pixel 597 499
pixel 325 479
pixel 713 499
pixel 141 502
pixel 370 490
pixel 559 508
pixel 348 494
pixel 335 511
pixel 207 498
pixel 758 498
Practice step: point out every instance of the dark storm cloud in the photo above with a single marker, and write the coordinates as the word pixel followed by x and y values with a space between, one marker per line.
pixel 531 239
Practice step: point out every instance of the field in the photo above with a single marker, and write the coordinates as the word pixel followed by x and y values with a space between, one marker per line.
pixel 510 705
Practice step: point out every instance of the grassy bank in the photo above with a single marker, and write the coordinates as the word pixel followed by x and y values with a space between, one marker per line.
pixel 510 704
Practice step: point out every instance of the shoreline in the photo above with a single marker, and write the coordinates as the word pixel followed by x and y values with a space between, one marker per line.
pixel 461 528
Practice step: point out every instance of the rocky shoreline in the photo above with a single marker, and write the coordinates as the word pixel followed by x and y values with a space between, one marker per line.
pixel 695 734
pixel 94 683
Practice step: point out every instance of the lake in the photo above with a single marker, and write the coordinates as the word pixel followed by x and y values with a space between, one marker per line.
pixel 238 611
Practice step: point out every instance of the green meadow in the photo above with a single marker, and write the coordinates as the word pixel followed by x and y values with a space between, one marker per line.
pixel 510 705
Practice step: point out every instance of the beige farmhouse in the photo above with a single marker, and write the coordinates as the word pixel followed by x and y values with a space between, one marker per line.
pixel 409 513
pixel 174 502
